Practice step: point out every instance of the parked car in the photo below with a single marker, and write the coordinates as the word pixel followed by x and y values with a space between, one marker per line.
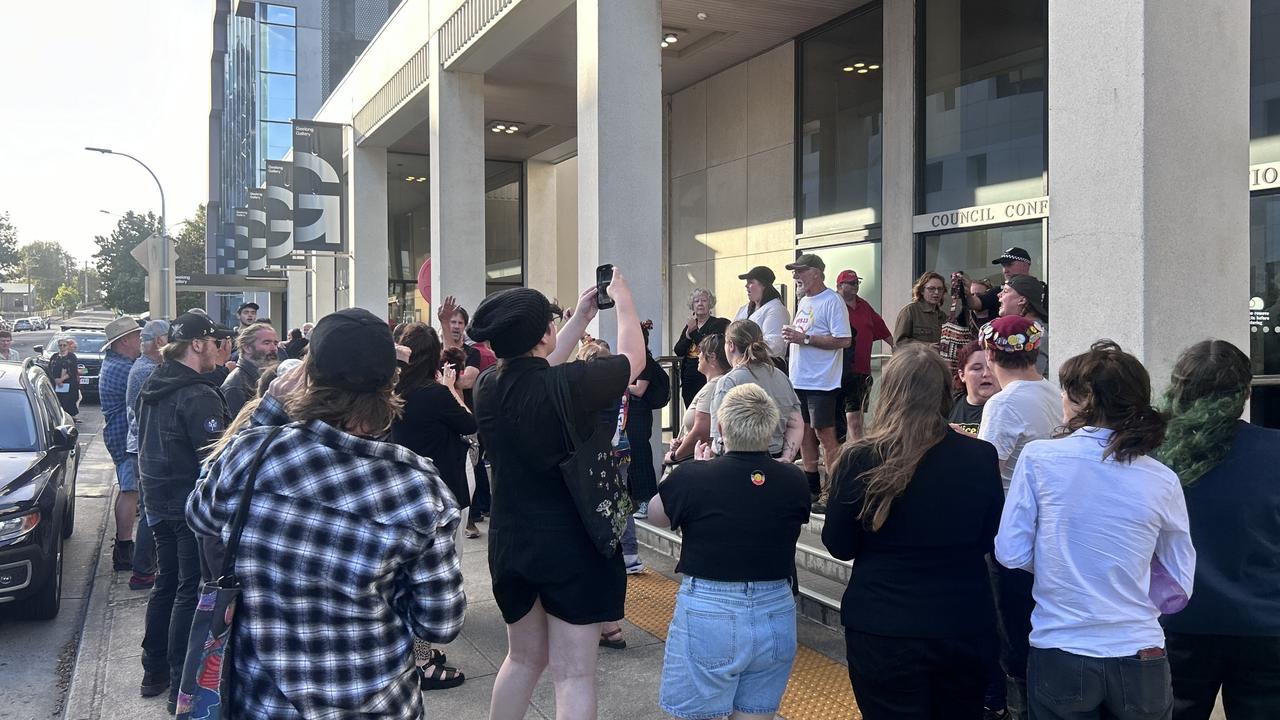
pixel 23 324
pixel 38 323
pixel 39 459
pixel 89 352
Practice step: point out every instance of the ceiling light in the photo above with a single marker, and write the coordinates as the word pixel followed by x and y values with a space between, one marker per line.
pixel 510 131
pixel 702 16
pixel 421 179
pixel 862 71
pixel 873 67
pixel 513 128
pixel 496 128
pixel 670 38
pixel 847 68
pixel 663 44
pixel 410 179
pixel 859 65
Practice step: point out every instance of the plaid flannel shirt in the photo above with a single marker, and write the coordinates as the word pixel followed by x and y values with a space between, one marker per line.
pixel 346 557
pixel 112 383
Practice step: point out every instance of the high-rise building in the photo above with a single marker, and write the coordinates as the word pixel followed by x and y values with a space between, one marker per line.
pixel 272 62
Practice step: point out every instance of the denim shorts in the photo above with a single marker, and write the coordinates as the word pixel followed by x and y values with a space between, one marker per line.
pixel 127 474
pixel 729 648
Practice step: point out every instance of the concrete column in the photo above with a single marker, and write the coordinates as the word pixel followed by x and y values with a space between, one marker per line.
pixel 297 308
pixel 457 185
pixel 620 150
pixel 324 286
pixel 1148 232
pixel 897 258
pixel 367 226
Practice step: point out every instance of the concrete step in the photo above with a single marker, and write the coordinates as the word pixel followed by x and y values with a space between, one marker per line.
pixel 822 577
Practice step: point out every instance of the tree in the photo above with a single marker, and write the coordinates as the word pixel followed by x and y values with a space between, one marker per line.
pixel 10 258
pixel 47 266
pixel 124 281
pixel 190 246
pixel 67 299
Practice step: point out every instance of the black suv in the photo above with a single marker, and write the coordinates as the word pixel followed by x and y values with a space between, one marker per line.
pixel 89 352
pixel 39 457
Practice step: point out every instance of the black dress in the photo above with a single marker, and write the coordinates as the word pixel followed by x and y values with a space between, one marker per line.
pixel 432 426
pixel 538 547
pixel 691 381
pixel 69 364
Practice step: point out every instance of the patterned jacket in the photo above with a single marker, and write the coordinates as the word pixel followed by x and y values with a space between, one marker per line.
pixel 347 555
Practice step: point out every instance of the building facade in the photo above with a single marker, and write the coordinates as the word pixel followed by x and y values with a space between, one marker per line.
pixel 526 141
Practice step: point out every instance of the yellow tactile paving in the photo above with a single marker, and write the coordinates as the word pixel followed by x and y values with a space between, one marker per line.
pixel 818 688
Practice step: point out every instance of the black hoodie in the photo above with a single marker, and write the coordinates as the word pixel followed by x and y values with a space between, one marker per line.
pixel 180 413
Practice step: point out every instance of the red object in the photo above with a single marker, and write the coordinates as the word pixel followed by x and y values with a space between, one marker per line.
pixel 487 357
pixel 847 276
pixel 868 327
pixel 424 280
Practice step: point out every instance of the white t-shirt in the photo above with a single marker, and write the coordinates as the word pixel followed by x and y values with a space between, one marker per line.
pixel 770 316
pixel 813 368
pixel 1023 411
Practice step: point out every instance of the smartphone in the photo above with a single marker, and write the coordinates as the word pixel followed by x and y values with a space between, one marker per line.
pixel 604 276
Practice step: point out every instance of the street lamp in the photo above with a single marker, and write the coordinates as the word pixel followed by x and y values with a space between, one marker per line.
pixel 166 280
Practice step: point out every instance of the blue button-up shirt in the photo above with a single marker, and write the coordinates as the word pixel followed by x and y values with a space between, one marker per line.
pixel 112 383
pixel 138 374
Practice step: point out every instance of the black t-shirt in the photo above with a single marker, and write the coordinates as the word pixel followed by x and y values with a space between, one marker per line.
pixel 740 515
pixel 473 361
pixel 651 371
pixel 432 426
pixel 965 415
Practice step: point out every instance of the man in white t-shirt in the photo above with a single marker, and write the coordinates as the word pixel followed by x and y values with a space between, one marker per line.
pixel 818 336
pixel 1028 407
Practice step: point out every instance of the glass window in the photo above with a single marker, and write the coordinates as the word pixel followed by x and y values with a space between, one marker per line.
pixel 276 140
pixel 982 102
pixel 971 251
pixel 862 258
pixel 279 14
pixel 279 98
pixel 503 227
pixel 279 49
pixel 18 431
pixel 1264 83
pixel 841 104
pixel 1264 282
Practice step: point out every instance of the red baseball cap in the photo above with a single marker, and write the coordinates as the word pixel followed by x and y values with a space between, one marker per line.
pixel 847 276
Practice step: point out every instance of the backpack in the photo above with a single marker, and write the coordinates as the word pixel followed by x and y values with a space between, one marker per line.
pixel 659 392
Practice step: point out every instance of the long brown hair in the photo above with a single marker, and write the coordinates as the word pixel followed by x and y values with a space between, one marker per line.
pixel 747 336
pixel 917 290
pixel 1114 391
pixel 911 418
pixel 424 358
pixel 1205 399
pixel 375 411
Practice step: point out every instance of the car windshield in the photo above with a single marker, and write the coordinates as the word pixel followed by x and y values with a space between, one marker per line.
pixel 18 431
pixel 84 343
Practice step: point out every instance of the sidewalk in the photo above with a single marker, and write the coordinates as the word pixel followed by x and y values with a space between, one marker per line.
pixel 108 667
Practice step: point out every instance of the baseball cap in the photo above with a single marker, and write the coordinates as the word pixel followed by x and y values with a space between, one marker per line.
pixel 808 260
pixel 118 328
pixel 761 274
pixel 847 276
pixel 1013 254
pixel 253 305
pixel 1033 290
pixel 333 364
pixel 194 326
pixel 1012 334
pixel 154 329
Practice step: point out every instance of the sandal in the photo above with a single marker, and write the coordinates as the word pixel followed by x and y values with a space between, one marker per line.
pixel 437 657
pixel 613 640
pixel 472 532
pixel 439 677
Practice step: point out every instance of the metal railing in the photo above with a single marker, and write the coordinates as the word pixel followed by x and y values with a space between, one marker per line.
pixel 466 24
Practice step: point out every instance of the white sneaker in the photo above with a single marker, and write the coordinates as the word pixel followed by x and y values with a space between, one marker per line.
pixel 635 568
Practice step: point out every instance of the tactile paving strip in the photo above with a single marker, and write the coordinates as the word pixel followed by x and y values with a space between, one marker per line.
pixel 818 688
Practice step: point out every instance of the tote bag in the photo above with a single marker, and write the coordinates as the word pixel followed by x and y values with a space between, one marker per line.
pixel 206 674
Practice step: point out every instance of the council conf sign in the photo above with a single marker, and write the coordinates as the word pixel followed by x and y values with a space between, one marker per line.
pixel 977 216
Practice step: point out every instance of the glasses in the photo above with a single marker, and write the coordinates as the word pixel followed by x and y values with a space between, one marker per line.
pixel 933 288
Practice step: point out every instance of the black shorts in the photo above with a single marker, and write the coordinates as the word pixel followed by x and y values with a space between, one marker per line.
pixel 856 389
pixel 818 407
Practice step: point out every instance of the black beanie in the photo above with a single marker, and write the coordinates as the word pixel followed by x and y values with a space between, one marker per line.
pixel 352 349
pixel 513 321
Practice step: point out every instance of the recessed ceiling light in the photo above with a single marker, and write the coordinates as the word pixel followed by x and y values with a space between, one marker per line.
pixel 858 64
pixel 670 38
pixel 702 16
pixel 496 128
pixel 510 131
pixel 847 68
pixel 862 71
pixel 663 43
pixel 513 128
pixel 873 67
pixel 421 179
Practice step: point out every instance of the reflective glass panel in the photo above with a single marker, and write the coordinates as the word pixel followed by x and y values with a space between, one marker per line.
pixel 982 102
pixel 1264 406
pixel 279 49
pixel 279 14
pixel 841 103
pixel 503 227
pixel 971 251
pixel 1264 283
pixel 1264 83
pixel 275 139
pixel 279 98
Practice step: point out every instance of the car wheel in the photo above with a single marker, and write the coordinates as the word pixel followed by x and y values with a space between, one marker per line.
pixel 44 605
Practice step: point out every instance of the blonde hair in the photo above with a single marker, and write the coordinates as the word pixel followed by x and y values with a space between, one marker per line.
pixel 915 399
pixel 748 418
pixel 593 349
pixel 375 411
pixel 747 337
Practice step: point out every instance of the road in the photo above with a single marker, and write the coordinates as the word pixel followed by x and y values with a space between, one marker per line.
pixel 36 658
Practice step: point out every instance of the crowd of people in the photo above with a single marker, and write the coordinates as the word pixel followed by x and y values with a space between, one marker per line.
pixel 1022 546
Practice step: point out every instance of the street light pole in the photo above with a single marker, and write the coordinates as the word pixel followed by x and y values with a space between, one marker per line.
pixel 166 279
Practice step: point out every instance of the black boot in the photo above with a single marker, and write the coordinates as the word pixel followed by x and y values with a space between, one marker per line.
pixel 122 555
pixel 154 683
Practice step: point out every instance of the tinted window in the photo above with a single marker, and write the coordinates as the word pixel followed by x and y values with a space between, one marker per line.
pixel 982 101
pixel 279 98
pixel 1264 81
pixel 84 343
pixel 503 229
pixel 1264 282
pixel 279 14
pixel 279 49
pixel 18 431
pixel 971 251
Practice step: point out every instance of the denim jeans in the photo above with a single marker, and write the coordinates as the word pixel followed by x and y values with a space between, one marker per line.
pixel 144 543
pixel 173 599
pixel 1245 669
pixel 1065 686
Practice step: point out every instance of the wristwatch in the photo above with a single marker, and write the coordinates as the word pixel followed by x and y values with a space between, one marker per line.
pixel 807 339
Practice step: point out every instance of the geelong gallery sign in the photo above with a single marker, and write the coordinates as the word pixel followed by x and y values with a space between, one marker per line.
pixel 317 187
pixel 997 214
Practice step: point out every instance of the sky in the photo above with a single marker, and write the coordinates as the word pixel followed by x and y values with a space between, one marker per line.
pixel 129 76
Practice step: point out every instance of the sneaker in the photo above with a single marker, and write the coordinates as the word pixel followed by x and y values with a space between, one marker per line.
pixel 642 511
pixel 989 714
pixel 142 582
pixel 122 555
pixel 154 683
pixel 635 568
pixel 819 508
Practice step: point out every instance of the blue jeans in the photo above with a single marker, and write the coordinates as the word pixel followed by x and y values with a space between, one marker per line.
pixel 173 599
pixel 729 648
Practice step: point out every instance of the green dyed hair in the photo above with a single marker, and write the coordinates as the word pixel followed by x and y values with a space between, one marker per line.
pixel 1205 399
